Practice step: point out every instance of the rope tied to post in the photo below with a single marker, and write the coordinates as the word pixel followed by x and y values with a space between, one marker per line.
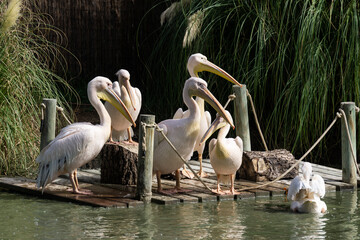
pixel 42 107
pixel 143 129
pixel 338 115
pixel 61 110
pixel 342 113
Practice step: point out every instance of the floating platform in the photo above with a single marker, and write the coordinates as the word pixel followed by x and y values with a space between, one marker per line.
pixel 115 195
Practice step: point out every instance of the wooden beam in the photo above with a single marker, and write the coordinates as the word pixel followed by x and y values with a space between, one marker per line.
pixel 348 165
pixel 145 158
pixel 241 116
pixel 48 123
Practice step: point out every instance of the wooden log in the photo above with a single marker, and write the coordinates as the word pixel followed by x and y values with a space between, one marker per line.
pixel 119 163
pixel 262 166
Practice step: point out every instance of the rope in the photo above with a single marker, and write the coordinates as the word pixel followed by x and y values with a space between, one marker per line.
pixel 42 107
pixel 349 138
pixel 256 120
pixel 230 98
pixel 298 161
pixel 61 110
pixel 182 159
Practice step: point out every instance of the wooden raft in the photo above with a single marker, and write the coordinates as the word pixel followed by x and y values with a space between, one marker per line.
pixel 115 195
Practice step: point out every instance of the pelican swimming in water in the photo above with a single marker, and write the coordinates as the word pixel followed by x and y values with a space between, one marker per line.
pixel 131 97
pixel 305 195
pixel 79 143
pixel 225 153
pixel 199 63
pixel 182 132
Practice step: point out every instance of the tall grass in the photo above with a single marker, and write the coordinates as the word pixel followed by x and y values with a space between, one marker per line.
pixel 25 78
pixel 299 60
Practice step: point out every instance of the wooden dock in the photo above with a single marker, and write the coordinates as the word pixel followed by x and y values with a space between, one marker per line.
pixel 114 195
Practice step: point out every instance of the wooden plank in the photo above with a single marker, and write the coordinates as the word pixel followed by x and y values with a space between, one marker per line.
pixel 164 200
pixel 203 197
pixel 60 190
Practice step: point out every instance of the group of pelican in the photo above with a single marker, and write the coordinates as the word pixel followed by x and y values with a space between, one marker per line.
pixel 188 130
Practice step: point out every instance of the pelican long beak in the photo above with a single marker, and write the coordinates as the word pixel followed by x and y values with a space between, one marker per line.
pixel 211 67
pixel 205 94
pixel 131 94
pixel 110 96
pixel 216 124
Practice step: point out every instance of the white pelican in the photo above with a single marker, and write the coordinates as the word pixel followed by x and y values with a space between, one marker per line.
pixel 305 195
pixel 131 97
pixel 199 63
pixel 182 132
pixel 79 143
pixel 225 153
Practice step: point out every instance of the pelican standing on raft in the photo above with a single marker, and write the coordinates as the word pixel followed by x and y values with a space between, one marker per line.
pixel 199 63
pixel 225 153
pixel 131 97
pixel 182 132
pixel 79 143
pixel 305 195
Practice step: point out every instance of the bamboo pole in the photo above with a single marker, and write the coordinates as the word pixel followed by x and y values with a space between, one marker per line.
pixel 145 155
pixel 241 116
pixel 48 123
pixel 348 165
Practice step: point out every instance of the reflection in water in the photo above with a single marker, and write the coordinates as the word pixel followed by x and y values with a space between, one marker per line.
pixel 32 218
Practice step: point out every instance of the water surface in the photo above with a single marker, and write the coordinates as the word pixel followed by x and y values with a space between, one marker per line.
pixel 25 217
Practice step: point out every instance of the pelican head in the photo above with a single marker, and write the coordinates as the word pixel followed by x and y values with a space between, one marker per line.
pixel 199 63
pixel 219 122
pixel 195 86
pixel 124 80
pixel 306 171
pixel 104 91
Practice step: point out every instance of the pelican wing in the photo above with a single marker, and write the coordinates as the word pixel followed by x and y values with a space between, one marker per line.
pixel 296 185
pixel 318 185
pixel 239 142
pixel 179 114
pixel 61 152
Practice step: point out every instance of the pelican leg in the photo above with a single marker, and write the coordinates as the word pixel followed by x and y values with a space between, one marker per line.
pixel 129 141
pixel 75 184
pixel 110 138
pixel 218 190
pixel 177 187
pixel 232 190
pixel 187 173
pixel 201 172
pixel 158 178
pixel 75 179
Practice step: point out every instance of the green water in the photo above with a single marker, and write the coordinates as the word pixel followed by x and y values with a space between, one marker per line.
pixel 23 217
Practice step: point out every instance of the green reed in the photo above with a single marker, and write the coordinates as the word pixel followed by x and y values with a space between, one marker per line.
pixel 26 77
pixel 299 60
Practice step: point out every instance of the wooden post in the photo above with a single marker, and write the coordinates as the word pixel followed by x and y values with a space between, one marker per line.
pixel 241 116
pixel 145 158
pixel 348 165
pixel 48 124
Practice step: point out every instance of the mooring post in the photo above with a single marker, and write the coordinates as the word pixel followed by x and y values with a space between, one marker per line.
pixel 241 116
pixel 48 123
pixel 145 157
pixel 348 164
